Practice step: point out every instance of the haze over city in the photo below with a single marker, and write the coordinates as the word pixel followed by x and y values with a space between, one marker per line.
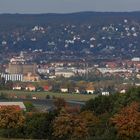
pixel 67 6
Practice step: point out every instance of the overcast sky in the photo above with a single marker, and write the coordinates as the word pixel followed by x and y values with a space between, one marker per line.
pixel 67 6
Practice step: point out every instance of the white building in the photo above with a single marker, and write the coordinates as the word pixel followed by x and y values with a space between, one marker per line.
pixel 135 59
pixel 109 70
pixel 64 90
pixel 123 91
pixel 90 91
pixel 105 93
pixel 43 70
pixel 64 72
pixel 12 77
pixel 16 87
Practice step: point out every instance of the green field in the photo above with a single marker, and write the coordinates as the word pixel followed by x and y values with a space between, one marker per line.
pixel 42 95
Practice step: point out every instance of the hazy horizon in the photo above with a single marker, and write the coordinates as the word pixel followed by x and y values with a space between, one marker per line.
pixel 67 6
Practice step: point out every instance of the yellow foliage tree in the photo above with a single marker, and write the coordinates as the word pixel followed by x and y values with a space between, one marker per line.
pixel 59 103
pixel 70 126
pixel 90 120
pixel 127 121
pixel 10 117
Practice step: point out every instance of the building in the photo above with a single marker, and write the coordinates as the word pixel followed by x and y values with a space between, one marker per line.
pixel 64 90
pixel 17 87
pixel 65 73
pixel 115 70
pixel 29 77
pixel 21 68
pixel 12 77
pixel 135 59
pixel 30 88
pixel 19 65
pixel 105 93
pixel 90 90
pixel 47 88
pixel 77 90
pixel 123 91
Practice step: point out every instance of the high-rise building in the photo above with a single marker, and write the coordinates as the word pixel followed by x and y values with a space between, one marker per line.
pixel 19 65
pixel 22 68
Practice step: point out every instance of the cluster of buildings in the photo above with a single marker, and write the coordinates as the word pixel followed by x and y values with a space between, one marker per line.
pixel 19 69
pixel 123 68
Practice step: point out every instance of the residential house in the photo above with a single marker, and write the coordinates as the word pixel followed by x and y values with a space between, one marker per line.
pixel 47 88
pixel 64 90
pixel 90 90
pixel 30 88
pixel 77 90
pixel 123 91
pixel 34 98
pixel 17 87
pixel 105 93
pixel 29 77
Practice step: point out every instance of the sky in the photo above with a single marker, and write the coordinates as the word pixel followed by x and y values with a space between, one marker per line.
pixel 67 6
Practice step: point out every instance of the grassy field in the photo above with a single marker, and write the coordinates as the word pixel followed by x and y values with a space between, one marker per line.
pixel 42 95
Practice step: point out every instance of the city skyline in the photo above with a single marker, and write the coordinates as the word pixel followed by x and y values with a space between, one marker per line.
pixel 67 6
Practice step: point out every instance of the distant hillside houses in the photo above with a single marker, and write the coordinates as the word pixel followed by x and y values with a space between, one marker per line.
pixel 99 33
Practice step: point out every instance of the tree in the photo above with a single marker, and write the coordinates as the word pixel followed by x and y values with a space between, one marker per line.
pixel 100 105
pixel 72 109
pixel 29 106
pixel 11 118
pixel 90 120
pixel 69 126
pixel 122 100
pixel 2 82
pixel 59 103
pixel 39 125
pixel 127 121
pixel 9 85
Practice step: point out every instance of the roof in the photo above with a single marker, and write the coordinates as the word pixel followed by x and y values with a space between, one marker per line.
pixel 20 104
pixel 46 87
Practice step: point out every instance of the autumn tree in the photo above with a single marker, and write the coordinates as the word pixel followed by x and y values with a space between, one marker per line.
pixel 59 103
pixel 127 121
pixel 69 126
pixel 91 121
pixel 11 118
pixel 72 109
